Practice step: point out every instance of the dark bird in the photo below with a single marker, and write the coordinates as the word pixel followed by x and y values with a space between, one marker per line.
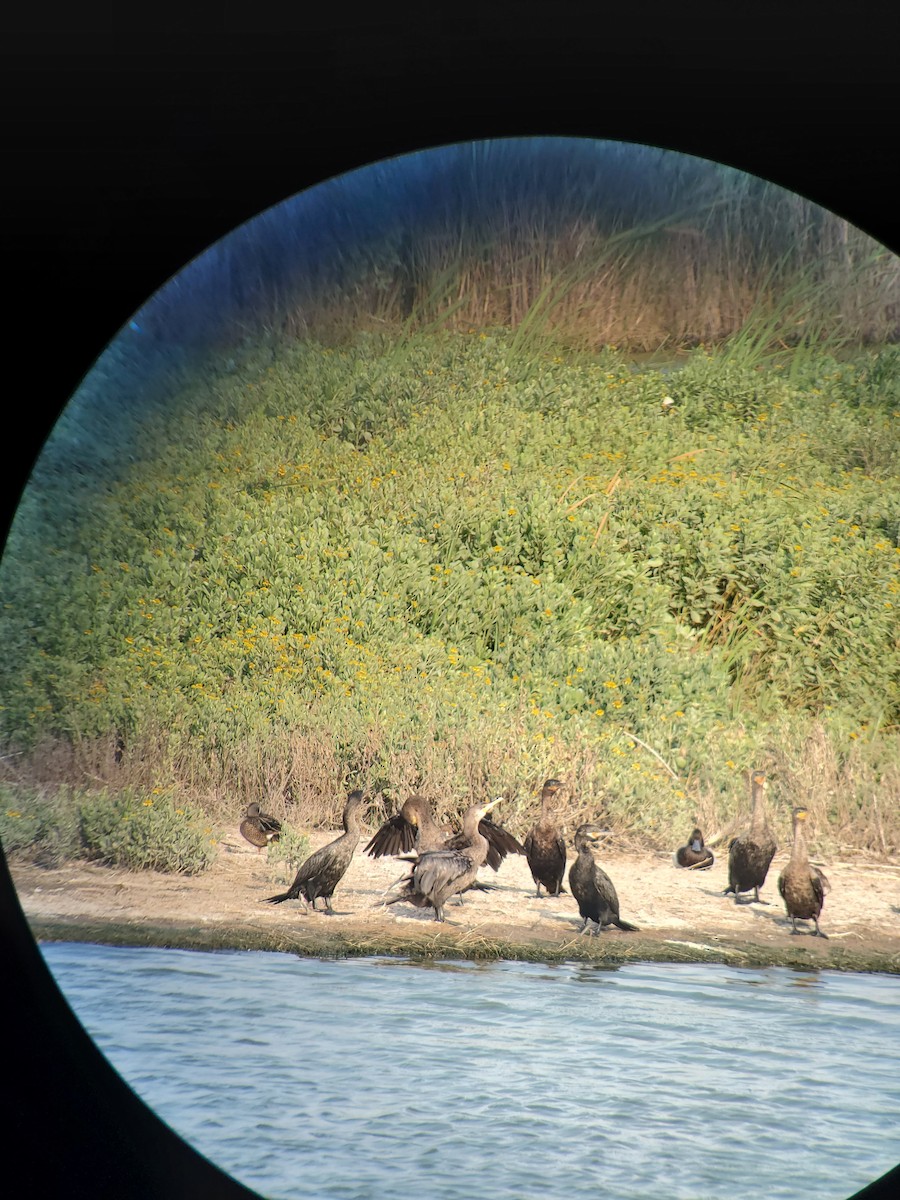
pixel 750 854
pixel 414 828
pixel 259 828
pixel 694 855
pixel 592 887
pixel 545 847
pixel 440 874
pixel 802 886
pixel 320 874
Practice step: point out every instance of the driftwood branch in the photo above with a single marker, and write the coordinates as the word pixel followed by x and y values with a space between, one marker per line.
pixel 659 758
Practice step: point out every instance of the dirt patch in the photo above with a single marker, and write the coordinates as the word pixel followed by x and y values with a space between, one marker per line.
pixel 683 915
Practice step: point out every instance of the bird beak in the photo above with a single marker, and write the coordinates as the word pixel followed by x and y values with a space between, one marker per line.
pixel 493 803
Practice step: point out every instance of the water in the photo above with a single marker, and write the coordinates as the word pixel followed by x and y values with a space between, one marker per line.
pixel 378 1077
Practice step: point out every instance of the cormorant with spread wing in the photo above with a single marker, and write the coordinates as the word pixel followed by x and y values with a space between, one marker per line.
pixel 440 874
pixel 414 828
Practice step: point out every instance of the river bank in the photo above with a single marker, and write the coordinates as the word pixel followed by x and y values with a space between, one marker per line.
pixel 682 915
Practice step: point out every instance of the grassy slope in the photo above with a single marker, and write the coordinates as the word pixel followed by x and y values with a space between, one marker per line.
pixel 454 563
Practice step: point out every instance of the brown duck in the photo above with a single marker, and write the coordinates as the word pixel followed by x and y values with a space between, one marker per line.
pixel 802 886
pixel 750 855
pixel 259 828
pixel 545 847
pixel 695 856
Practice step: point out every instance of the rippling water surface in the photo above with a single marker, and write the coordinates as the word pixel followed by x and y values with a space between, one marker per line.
pixel 382 1078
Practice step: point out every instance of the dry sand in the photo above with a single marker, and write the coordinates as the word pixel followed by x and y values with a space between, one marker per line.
pixel 682 915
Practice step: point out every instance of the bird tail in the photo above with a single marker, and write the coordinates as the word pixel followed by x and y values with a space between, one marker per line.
pixel 289 895
pixel 627 926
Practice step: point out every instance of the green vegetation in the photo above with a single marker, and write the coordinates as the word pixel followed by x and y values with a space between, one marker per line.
pixel 287 853
pixel 462 563
pixel 124 830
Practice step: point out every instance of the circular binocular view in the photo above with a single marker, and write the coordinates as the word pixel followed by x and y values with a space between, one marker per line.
pixel 450 712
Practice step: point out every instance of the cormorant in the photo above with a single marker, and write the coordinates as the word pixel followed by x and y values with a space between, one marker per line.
pixel 440 874
pixel 259 828
pixel 802 886
pixel 414 828
pixel 750 854
pixel 545 847
pixel 320 874
pixel 592 887
pixel 694 855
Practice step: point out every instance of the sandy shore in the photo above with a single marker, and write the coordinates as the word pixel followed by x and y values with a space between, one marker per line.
pixel 682 915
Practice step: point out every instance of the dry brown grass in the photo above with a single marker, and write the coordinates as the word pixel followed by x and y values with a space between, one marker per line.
pixel 303 777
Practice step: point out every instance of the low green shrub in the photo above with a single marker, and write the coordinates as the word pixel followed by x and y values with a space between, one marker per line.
pixel 286 855
pixel 152 832
pixel 45 825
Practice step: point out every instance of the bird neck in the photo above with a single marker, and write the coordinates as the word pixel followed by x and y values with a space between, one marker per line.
pixel 351 819
pixel 477 842
pixel 757 811
pixel 798 849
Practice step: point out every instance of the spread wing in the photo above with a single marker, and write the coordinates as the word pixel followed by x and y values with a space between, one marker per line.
pixel 500 842
pixel 396 836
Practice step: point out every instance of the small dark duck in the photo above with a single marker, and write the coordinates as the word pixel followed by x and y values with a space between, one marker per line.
pixel 694 855
pixel 802 886
pixel 259 828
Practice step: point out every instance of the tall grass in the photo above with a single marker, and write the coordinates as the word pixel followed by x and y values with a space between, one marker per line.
pixel 599 242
